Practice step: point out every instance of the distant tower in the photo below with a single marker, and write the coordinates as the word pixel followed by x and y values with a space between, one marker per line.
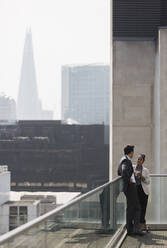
pixel 28 103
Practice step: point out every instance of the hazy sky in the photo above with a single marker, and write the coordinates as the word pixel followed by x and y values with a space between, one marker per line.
pixel 64 32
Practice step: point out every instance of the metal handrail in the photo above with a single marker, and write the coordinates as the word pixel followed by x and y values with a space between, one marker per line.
pixel 7 236
pixel 158 175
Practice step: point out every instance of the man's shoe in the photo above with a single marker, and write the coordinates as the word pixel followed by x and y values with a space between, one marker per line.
pixel 139 233
pixel 130 233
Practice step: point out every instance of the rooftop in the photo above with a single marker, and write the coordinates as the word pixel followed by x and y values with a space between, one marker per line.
pixel 85 65
pixel 30 202
pixel 61 197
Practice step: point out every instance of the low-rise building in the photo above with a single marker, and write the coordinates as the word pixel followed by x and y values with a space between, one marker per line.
pixel 16 213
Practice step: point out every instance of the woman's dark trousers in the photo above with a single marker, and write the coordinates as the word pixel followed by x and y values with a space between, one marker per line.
pixel 143 199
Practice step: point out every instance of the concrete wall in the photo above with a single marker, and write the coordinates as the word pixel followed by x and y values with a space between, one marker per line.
pixel 4 216
pixel 4 187
pixel 160 106
pixel 132 91
pixel 33 211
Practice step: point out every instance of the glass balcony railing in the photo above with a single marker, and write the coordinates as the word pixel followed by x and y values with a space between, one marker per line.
pixel 92 220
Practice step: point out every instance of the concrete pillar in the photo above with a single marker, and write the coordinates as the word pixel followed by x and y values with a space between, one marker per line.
pixel 132 102
pixel 160 104
pixel 111 94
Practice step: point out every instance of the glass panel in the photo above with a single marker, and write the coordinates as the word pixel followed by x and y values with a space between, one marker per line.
pixel 12 227
pixel 153 208
pixel 23 210
pixel 13 211
pixel 119 205
pixel 157 209
pixel 162 200
pixel 22 220
pixel 35 237
pixel 13 220
pixel 88 223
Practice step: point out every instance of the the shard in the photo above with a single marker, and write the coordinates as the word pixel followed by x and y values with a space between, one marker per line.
pixel 28 103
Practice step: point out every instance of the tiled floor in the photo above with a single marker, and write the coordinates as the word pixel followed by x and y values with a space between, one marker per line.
pixel 153 239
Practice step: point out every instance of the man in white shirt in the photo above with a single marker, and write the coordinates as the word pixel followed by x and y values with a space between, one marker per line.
pixel 126 171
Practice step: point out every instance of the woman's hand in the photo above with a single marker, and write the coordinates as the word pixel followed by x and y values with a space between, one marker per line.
pixel 138 174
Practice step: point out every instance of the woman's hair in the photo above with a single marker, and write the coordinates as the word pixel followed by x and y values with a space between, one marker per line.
pixel 143 156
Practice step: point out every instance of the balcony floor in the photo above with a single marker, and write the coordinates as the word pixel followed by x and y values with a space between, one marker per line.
pixel 151 240
pixel 63 238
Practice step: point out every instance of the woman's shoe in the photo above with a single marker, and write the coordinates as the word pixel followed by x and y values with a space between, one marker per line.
pixel 147 228
pixel 144 227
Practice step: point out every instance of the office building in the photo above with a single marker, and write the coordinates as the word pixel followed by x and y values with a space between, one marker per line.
pixel 51 156
pixel 7 109
pixel 85 94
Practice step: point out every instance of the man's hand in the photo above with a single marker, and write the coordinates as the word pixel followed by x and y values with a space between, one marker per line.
pixel 130 181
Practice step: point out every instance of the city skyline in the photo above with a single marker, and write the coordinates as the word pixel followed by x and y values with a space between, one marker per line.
pixel 57 42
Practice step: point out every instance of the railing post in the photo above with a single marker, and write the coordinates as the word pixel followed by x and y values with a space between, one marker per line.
pixel 112 207
pixel 45 234
pixel 105 207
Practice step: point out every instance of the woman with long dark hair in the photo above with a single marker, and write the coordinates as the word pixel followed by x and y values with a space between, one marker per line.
pixel 142 183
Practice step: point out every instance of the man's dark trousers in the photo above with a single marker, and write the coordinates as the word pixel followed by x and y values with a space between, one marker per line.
pixel 133 209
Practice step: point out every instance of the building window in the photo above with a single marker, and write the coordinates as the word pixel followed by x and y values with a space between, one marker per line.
pixel 17 216
pixel 23 211
pixel 13 211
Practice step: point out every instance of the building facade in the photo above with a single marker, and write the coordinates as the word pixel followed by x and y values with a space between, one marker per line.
pixel 138 95
pixel 50 156
pixel 85 93
pixel 5 179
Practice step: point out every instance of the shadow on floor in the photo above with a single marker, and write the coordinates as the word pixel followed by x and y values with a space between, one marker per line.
pixel 157 239
pixel 87 238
